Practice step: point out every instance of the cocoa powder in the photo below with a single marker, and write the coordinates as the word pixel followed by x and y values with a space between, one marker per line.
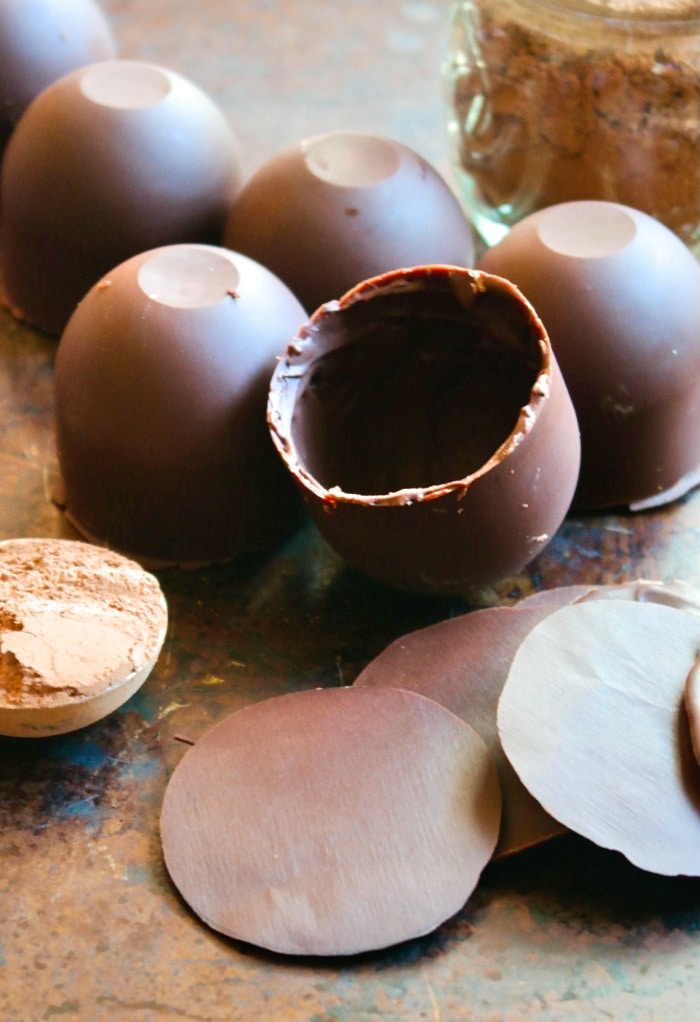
pixel 75 620
pixel 555 102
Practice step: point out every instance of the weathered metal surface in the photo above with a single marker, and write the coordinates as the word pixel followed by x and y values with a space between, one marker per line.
pixel 90 927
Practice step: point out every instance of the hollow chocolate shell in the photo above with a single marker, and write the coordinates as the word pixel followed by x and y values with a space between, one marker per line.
pixel 161 382
pixel 111 160
pixel 427 424
pixel 335 209
pixel 619 295
pixel 41 40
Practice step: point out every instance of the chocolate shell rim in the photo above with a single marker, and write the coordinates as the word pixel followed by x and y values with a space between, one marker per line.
pixel 302 351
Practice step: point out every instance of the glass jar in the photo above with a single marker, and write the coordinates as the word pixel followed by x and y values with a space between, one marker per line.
pixel 556 100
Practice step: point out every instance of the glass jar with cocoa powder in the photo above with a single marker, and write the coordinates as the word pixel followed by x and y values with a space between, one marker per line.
pixel 557 100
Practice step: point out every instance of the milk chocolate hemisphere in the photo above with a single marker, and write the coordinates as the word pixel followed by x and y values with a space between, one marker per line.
pixel 619 295
pixel 113 159
pixel 427 424
pixel 161 383
pixel 41 40
pixel 335 209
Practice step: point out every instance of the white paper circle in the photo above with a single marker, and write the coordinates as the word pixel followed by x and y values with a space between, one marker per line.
pixel 593 720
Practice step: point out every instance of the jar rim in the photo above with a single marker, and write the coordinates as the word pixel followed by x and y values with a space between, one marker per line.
pixel 652 12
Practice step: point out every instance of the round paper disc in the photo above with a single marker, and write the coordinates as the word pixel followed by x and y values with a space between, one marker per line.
pixel 692 706
pixel 592 718
pixel 462 663
pixel 331 821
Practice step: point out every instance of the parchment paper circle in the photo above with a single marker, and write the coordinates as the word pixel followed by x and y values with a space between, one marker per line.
pixel 592 718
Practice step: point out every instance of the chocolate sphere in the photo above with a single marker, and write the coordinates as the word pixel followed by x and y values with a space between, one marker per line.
pixel 427 424
pixel 109 161
pixel 161 382
pixel 619 295
pixel 40 41
pixel 333 210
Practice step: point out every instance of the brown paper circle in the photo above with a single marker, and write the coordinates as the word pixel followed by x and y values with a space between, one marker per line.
pixel 462 663
pixel 331 821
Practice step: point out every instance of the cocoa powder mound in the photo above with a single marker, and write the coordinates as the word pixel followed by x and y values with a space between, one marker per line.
pixel 75 619
pixel 553 105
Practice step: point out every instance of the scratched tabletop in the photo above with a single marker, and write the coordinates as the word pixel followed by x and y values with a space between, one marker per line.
pixel 90 926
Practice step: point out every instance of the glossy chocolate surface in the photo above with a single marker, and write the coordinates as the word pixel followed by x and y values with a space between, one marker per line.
pixel 619 295
pixel 41 40
pixel 111 160
pixel 335 209
pixel 92 927
pixel 428 427
pixel 161 383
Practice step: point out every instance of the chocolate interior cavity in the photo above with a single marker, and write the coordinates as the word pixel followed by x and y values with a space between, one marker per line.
pixel 413 393
pixel 428 427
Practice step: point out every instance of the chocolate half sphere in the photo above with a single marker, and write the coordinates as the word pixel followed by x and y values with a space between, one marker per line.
pixel 428 426
pixel 335 209
pixel 41 40
pixel 619 295
pixel 161 382
pixel 111 160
